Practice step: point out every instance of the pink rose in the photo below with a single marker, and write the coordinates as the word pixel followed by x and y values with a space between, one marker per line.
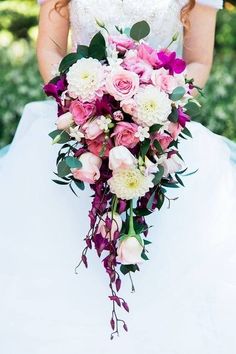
pixel 129 251
pixel 148 54
pixel 174 129
pixel 122 84
pixel 124 134
pixel 90 170
pixel 65 121
pixel 82 111
pixel 121 157
pixel 116 225
pixel 163 138
pixel 95 146
pixel 143 69
pixel 166 82
pixel 92 129
pixel 129 106
pixel 121 42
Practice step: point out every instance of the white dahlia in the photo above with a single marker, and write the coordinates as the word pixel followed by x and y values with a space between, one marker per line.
pixel 130 183
pixel 85 78
pixel 153 106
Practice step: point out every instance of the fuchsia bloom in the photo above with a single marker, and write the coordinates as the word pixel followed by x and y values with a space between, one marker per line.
pixel 169 61
pixel 183 118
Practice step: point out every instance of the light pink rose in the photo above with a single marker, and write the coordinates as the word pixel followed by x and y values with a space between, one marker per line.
pixel 116 225
pixel 148 54
pixel 129 106
pixel 143 69
pixel 124 134
pixel 129 251
pixel 82 111
pixel 65 121
pixel 122 84
pixel 121 157
pixel 95 146
pixel 121 42
pixel 163 138
pixel 91 129
pixel 166 82
pixel 174 129
pixel 90 171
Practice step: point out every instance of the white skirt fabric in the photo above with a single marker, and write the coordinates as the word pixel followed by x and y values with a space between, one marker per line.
pixel 185 299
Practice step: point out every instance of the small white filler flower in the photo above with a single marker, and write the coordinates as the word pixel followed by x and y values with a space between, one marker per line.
pixel 142 133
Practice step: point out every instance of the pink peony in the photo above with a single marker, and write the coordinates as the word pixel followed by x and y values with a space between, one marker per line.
pixel 90 170
pixel 166 82
pixel 129 106
pixel 65 121
pixel 124 134
pixel 148 54
pixel 95 146
pixel 164 139
pixel 82 111
pixel 92 129
pixel 121 42
pixel 122 84
pixel 143 69
pixel 129 251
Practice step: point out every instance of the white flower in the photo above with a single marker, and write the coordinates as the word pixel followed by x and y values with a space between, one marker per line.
pixel 150 167
pixel 121 157
pixel 142 133
pixel 112 56
pixel 104 122
pixel 153 106
pixel 85 78
pixel 130 183
pixel 76 133
pixel 172 164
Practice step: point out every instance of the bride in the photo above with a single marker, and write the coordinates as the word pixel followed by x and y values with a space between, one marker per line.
pixel 185 295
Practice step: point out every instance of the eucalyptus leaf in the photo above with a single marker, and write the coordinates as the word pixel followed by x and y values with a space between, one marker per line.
pixel 63 169
pixel 79 184
pixel 140 30
pixel 63 137
pixel 192 109
pixel 73 162
pixel 178 93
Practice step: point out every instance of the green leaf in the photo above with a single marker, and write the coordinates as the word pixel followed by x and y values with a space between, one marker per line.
pixel 64 136
pixel 142 212
pixel 187 132
pixel 173 117
pixel 191 173
pixel 146 242
pixel 170 184
pixel 59 182
pixel 154 128
pixel 179 180
pixel 54 80
pixel 158 175
pixel 79 184
pixel 144 256
pixel 192 109
pixel 72 189
pixel 139 228
pixel 73 162
pixel 178 93
pixel 68 61
pixel 125 269
pixel 63 169
pixel 127 31
pixel 151 200
pixel 157 145
pixel 140 30
pixel 97 47
pixel 160 201
pixel 82 51
pixel 145 145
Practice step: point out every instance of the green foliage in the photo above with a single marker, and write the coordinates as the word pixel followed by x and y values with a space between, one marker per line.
pixel 21 83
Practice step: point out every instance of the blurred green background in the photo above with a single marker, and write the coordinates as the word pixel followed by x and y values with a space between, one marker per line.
pixel 21 83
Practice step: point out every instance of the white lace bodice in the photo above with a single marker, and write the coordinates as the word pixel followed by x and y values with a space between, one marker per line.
pixel 162 15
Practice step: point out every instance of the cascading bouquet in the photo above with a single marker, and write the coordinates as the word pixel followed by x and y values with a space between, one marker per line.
pixel 122 109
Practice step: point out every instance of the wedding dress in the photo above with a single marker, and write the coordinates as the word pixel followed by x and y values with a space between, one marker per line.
pixel 185 299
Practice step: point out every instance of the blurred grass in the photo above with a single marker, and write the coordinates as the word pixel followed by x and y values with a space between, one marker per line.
pixel 21 83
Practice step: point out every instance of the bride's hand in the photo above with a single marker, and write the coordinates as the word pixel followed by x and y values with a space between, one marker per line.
pixel 199 43
pixel 52 37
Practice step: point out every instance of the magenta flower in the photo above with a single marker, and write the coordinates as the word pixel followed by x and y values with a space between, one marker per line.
pixel 183 118
pixel 170 62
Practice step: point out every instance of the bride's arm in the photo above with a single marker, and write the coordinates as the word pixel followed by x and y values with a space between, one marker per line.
pixel 52 37
pixel 199 43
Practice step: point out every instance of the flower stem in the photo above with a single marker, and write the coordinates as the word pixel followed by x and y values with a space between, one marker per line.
pixel 131 220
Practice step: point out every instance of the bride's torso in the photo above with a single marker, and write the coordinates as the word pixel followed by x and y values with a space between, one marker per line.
pixel 162 15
